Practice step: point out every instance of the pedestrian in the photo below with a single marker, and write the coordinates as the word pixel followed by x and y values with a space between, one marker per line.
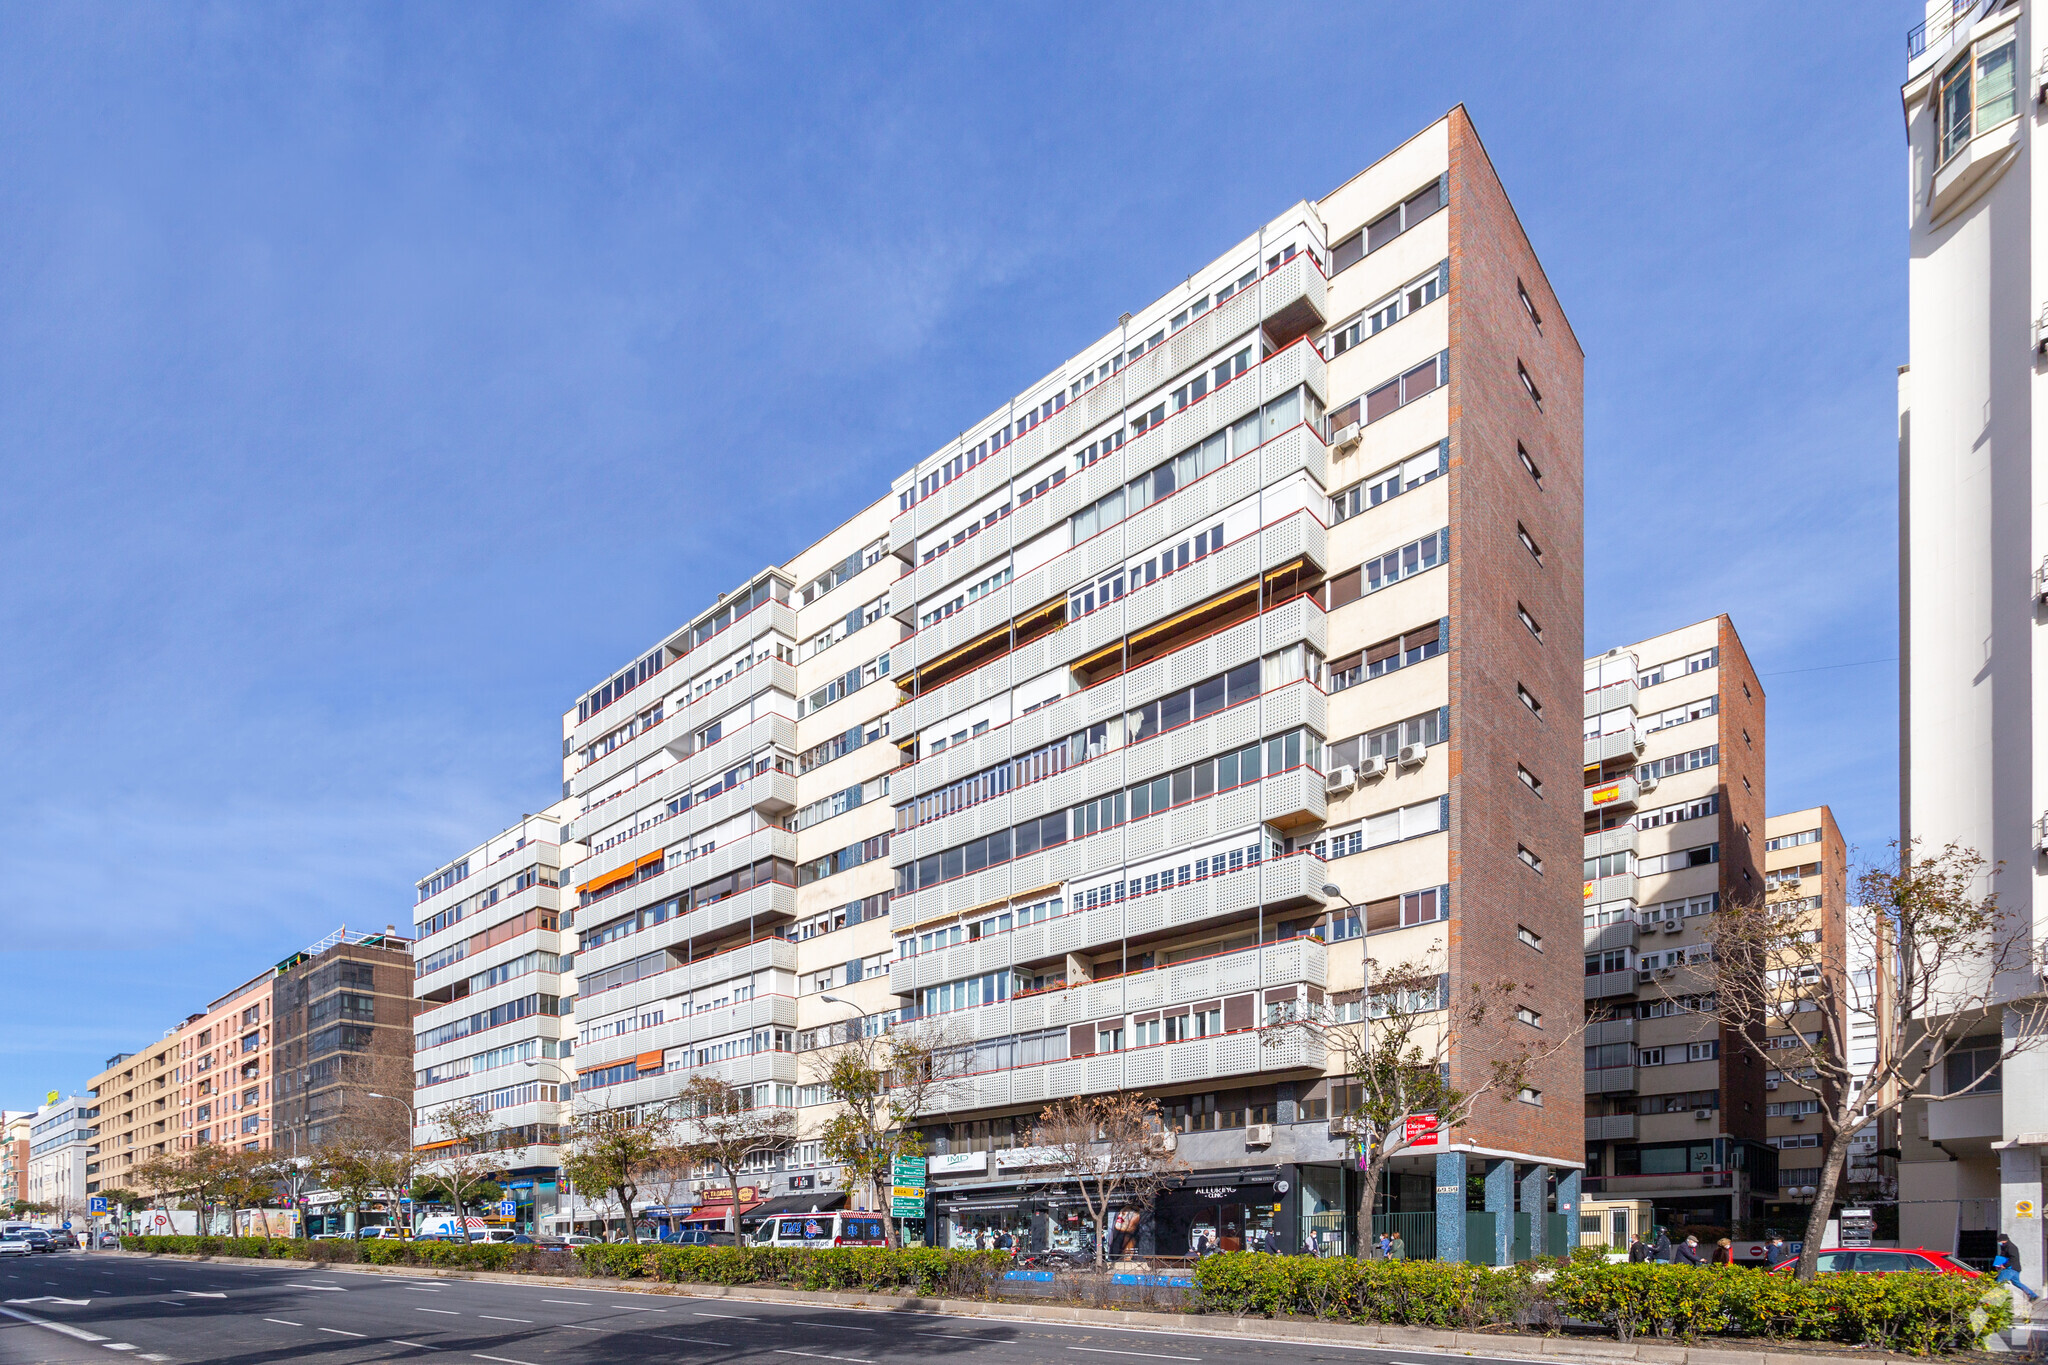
pixel 1638 1249
pixel 981 1239
pixel 1662 1251
pixel 1386 1246
pixel 1775 1251
pixel 1689 1252
pixel 1724 1252
pixel 1396 1251
pixel 2007 1264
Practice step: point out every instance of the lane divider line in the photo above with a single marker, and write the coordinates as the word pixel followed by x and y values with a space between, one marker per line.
pixel 1149 1355
pixel 285 1322
pixel 75 1333
pixel 820 1355
pixel 337 1331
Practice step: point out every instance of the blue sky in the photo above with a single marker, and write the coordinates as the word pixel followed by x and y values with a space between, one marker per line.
pixel 374 377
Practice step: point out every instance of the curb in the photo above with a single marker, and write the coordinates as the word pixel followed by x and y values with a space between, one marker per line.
pixel 1218 1326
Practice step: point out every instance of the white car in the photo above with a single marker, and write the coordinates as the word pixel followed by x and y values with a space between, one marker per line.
pixel 577 1239
pixel 14 1244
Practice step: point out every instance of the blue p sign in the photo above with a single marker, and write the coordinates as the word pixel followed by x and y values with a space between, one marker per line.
pixel 507 1208
pixel 99 1204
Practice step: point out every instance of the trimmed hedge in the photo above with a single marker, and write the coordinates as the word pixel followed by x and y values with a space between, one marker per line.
pixel 922 1270
pixel 1916 1314
pixel 476 1256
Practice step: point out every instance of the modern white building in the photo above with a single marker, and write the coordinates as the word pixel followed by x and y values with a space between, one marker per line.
pixel 493 972
pixel 1973 546
pixel 61 1170
pixel 1238 645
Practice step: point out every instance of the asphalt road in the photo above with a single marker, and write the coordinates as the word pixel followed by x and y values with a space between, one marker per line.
pixel 75 1307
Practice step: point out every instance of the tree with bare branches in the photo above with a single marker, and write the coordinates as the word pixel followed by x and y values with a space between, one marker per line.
pixel 614 1150
pixel 1114 1148
pixel 467 1160
pixel 882 1080
pixel 1394 1046
pixel 721 1127
pixel 1956 969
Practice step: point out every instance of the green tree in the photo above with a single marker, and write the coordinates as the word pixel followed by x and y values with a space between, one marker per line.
pixel 614 1150
pixel 882 1081
pixel 722 1127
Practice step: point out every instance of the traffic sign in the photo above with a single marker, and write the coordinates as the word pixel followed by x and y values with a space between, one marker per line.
pixel 99 1204
pixel 507 1208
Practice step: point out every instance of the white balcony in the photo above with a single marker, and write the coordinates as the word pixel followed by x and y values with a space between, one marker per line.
pixel 1968 1116
pixel 1619 840
pixel 1251 1052
pixel 1627 744
pixel 1611 1128
pixel 1613 697
pixel 1609 1080
pixel 1622 793
pixel 1609 984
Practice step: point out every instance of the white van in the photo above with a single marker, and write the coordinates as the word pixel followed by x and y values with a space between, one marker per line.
pixel 820 1230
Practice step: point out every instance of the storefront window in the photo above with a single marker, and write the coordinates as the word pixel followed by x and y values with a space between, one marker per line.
pixel 1322 1210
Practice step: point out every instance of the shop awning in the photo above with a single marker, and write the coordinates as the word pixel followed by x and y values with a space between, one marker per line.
pixel 807 1201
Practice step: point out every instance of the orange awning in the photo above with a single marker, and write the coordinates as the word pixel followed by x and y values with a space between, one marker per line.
pixel 648 1061
pixel 619 874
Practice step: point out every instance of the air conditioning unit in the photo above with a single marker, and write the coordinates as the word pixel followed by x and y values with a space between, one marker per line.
pixel 1344 437
pixel 1342 780
pixel 1789 883
pixel 1258 1135
pixel 1799 1118
pixel 1162 1142
pixel 1703 1114
pixel 1674 926
pixel 1647 782
pixel 1414 755
pixel 1373 765
pixel 1642 742
pixel 1343 1125
pixel 1646 976
pixel 1770 1085
pixel 2041 832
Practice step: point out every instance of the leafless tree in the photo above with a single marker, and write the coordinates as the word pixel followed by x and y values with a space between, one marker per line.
pixel 1947 963
pixel 467 1159
pixel 721 1127
pixel 613 1150
pixel 1395 1046
pixel 883 1081
pixel 1114 1148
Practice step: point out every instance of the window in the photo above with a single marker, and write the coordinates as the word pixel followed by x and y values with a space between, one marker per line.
pixel 1529 384
pixel 1529 936
pixel 1530 1095
pixel 1997 92
pixel 1528 542
pixel 1391 224
pixel 1528 858
pixel 1529 779
pixel 1528 621
pixel 1613 960
pixel 1528 1016
pixel 1805 836
pixel 1409 647
pixel 1529 699
pixel 1972 1059
pixel 1431 727
pixel 1529 464
pixel 1415 294
pixel 1391 482
pixel 1426 378
pixel 1991 97
pixel 1702 1052
pixel 1529 306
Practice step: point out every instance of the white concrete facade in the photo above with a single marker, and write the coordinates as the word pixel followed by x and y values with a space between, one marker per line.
pixel 1974 656
pixel 60 1154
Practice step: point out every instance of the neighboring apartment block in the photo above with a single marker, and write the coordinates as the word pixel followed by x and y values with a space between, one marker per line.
pixel 223 1072
pixel 1276 586
pixel 137 1096
pixel 342 1013
pixel 493 988
pixel 1973 581
pixel 14 1145
pixel 1676 1107
pixel 1806 870
pixel 62 1166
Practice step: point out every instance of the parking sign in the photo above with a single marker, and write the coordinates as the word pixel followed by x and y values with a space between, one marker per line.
pixel 99 1204
pixel 507 1208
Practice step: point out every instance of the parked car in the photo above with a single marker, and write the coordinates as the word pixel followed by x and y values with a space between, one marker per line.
pixel 697 1237
pixel 1884 1261
pixel 387 1233
pixel 495 1236
pixel 577 1239
pixel 39 1238
pixel 14 1244
pixel 63 1239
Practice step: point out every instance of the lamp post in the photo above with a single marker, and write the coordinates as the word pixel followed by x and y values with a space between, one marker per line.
pixel 1369 1199
pixel 563 1189
pixel 412 1121
pixel 835 1000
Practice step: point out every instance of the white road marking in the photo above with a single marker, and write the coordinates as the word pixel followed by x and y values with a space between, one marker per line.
pixel 294 1284
pixel 198 1294
pixel 700 1341
pixel 734 1316
pixel 820 1355
pixel 417 1289
pixel 119 1346
pixel 337 1331
pixel 492 1317
pixel 147 1356
pixel 285 1322
pixel 444 1312
pixel 574 1328
pixel 1149 1355
pixel 416 1345
pixel 502 1360
pixel 580 1303
pixel 52 1298
pixel 77 1333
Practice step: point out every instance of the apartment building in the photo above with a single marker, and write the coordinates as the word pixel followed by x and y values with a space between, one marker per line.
pixel 62 1170
pixel 1971 575
pixel 1806 869
pixel 220 1083
pixel 137 1096
pixel 14 1145
pixel 1058 748
pixel 1677 1111
pixel 493 989
pixel 341 1049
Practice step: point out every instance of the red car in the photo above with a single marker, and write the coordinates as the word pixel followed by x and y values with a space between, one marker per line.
pixel 1886 1261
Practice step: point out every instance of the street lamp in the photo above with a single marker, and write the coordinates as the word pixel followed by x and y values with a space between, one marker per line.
pixel 835 1000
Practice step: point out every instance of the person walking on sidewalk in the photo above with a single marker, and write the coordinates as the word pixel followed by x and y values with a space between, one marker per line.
pixel 2007 1264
